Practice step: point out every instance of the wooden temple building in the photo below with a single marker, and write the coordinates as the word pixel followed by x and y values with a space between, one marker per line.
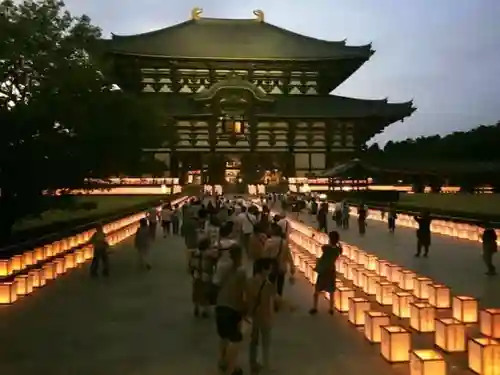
pixel 248 99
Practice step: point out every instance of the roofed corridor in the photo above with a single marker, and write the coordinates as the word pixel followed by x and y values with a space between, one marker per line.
pixel 142 323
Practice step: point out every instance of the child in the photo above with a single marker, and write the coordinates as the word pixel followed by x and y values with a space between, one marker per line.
pixel 142 243
pixel 325 267
pixel 262 298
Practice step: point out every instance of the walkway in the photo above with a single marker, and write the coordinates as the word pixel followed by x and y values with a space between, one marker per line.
pixel 453 262
pixel 141 323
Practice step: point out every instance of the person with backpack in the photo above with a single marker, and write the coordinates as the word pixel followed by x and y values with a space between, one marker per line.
pixel 277 249
pixel 246 223
pixel 489 240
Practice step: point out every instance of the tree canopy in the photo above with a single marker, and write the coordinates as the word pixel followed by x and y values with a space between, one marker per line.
pixel 62 120
pixel 476 145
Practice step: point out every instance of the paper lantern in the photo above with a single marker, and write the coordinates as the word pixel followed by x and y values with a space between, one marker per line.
pixel 381 268
pixel 356 275
pixel 4 267
pixel 401 304
pixel 357 309
pixel 341 298
pixel 48 251
pixel 16 263
pixel 439 296
pixel 70 260
pixel 427 362
pixel 29 258
pixel 60 266
pixel 362 258
pixel 374 320
pixel 373 281
pixel 37 277
pixel 49 271
pixel 21 285
pixel 8 292
pixel 89 251
pixel 421 287
pixel 39 254
pixel 395 344
pixel 80 255
pixel 364 279
pixel 465 309
pixel 484 356
pixel 350 271
pixel 383 294
pixel 393 273
pixel 422 316
pixel 450 335
pixel 489 322
pixel 371 262
pixel 407 280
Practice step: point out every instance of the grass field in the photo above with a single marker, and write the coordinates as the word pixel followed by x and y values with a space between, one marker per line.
pixel 488 204
pixel 105 205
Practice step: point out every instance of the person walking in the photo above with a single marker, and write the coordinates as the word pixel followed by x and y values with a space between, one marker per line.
pixel 262 299
pixel 423 233
pixel 362 216
pixel 176 219
pixel 152 217
pixel 490 247
pixel 166 219
pixel 101 246
pixel 142 242
pixel 246 223
pixel 322 218
pixel 231 281
pixel 392 215
pixel 325 268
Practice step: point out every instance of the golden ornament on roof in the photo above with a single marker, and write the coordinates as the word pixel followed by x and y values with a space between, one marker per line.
pixel 196 13
pixel 259 14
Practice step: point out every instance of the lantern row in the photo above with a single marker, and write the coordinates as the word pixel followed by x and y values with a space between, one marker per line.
pixel 411 297
pixel 445 227
pixel 47 263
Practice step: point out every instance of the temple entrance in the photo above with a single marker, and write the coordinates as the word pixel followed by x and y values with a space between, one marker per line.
pixel 232 174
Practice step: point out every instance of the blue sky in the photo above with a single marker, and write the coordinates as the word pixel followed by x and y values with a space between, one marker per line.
pixel 444 54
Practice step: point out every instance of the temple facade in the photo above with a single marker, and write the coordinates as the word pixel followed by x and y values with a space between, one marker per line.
pixel 248 100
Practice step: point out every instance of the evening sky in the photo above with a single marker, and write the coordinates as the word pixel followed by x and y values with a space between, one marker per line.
pixel 444 54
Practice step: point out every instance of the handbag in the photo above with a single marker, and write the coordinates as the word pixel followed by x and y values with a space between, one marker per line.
pixel 247 322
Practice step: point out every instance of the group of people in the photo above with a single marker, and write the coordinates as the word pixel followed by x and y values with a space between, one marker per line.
pixel 239 260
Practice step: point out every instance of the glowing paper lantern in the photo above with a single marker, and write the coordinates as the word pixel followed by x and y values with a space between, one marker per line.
pixel 401 304
pixel 450 335
pixel 395 344
pixel 407 280
pixel 439 296
pixel 465 309
pixel 393 274
pixel 374 320
pixel 16 263
pixel 381 267
pixel 39 254
pixel 29 258
pixel 8 292
pixel 384 290
pixel 37 278
pixel 421 287
pixel 422 317
pixel 60 266
pixel 364 279
pixel 427 362
pixel 49 271
pixel 357 309
pixel 484 356
pixel 373 281
pixel 371 262
pixel 23 285
pixel 356 275
pixel 489 322
pixel 341 298
pixel 4 267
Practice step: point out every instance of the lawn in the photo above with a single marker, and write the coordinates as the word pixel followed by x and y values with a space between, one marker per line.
pixel 105 205
pixel 485 204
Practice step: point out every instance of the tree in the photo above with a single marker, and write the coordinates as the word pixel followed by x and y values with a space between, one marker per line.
pixel 62 121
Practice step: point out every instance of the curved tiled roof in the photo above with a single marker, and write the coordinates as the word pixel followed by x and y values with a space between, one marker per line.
pixel 245 39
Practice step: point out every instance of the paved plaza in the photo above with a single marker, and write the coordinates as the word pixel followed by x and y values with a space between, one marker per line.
pixel 453 262
pixel 141 323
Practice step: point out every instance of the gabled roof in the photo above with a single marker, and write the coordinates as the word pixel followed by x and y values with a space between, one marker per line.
pixel 242 39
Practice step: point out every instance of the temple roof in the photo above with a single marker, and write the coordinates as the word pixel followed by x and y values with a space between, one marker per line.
pixel 307 106
pixel 242 39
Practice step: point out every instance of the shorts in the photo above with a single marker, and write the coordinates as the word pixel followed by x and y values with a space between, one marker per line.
pixel 228 322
